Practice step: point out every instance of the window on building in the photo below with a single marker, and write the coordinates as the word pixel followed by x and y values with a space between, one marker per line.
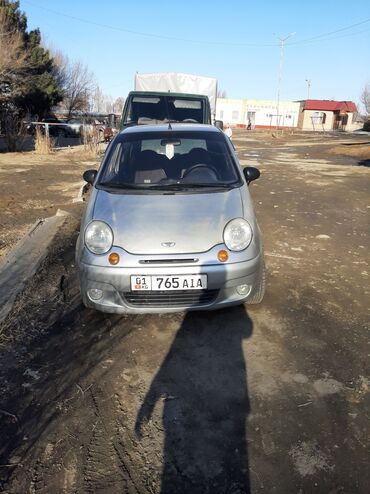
pixel 318 117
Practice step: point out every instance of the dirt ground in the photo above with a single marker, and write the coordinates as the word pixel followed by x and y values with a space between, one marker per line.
pixel 34 186
pixel 272 398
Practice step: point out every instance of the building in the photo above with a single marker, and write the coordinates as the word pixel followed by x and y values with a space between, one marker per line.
pixel 327 115
pixel 316 115
pixel 260 114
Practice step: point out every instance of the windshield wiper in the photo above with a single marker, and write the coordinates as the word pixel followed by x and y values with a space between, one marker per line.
pixel 121 185
pixel 184 186
pixel 173 186
pixel 223 186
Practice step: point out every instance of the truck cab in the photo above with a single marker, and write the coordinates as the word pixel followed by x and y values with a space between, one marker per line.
pixel 155 107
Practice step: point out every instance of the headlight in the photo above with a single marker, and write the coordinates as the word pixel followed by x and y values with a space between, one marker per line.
pixel 98 237
pixel 237 234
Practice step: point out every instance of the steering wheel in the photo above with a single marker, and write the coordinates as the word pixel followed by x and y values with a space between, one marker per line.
pixel 199 166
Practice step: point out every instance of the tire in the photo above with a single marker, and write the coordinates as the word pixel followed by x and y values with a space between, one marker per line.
pixel 259 292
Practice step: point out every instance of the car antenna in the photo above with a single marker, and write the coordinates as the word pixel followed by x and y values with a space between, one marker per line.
pixel 169 126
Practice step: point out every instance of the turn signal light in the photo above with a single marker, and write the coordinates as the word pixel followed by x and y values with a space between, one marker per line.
pixel 222 256
pixel 113 258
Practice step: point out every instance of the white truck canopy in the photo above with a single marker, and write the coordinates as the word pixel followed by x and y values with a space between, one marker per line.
pixel 177 82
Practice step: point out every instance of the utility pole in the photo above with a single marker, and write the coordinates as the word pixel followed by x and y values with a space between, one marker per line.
pixel 282 43
pixel 308 87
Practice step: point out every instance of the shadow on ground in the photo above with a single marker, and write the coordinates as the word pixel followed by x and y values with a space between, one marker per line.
pixel 203 383
pixel 364 162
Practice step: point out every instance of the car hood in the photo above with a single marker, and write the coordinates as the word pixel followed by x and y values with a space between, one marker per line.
pixel 190 222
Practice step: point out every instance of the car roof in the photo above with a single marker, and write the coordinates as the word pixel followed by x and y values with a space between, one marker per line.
pixel 176 127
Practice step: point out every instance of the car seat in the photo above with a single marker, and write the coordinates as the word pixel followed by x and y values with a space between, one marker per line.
pixel 149 167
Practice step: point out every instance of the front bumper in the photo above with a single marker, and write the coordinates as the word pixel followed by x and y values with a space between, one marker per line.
pixel 223 280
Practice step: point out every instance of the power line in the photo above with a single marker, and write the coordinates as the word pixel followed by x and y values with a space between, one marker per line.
pixel 332 38
pixel 150 35
pixel 347 35
pixel 320 37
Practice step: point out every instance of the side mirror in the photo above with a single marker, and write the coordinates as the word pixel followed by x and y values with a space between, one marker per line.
pixel 219 124
pixel 89 176
pixel 251 173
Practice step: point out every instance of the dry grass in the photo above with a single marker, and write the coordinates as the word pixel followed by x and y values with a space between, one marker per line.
pixel 44 144
pixel 359 150
pixel 92 141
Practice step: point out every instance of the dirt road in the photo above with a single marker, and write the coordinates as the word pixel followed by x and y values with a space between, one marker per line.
pixel 34 186
pixel 268 398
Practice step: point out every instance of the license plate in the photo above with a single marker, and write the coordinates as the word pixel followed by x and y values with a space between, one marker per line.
pixel 164 283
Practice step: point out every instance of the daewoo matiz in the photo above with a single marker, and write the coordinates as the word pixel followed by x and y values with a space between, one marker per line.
pixel 170 225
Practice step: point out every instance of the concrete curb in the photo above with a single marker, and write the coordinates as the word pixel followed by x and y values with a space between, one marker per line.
pixel 24 259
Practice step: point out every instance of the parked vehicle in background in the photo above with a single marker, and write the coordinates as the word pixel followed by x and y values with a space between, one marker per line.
pixel 77 125
pixel 170 224
pixel 56 127
pixel 85 125
pixel 170 97
pixel 108 134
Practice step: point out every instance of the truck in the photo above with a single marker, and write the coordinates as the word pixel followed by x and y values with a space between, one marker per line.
pixel 171 97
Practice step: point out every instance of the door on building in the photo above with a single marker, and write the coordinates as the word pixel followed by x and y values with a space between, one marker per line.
pixel 337 121
pixel 251 119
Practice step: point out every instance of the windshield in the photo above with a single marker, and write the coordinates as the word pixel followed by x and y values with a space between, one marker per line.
pixel 156 109
pixel 174 160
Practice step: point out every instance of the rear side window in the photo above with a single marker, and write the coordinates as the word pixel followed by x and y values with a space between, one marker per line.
pixel 157 109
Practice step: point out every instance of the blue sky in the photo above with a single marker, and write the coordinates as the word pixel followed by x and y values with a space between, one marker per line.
pixel 234 41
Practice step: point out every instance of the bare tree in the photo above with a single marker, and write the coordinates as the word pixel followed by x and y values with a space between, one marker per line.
pixel 79 85
pixel 108 103
pixel 13 60
pixel 118 105
pixel 97 100
pixel 13 64
pixel 60 66
pixel 75 81
pixel 79 91
pixel 365 98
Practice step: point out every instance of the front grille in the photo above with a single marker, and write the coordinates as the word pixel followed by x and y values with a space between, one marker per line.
pixel 168 261
pixel 177 298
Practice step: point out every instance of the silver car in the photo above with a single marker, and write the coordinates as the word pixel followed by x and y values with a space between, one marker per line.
pixel 170 225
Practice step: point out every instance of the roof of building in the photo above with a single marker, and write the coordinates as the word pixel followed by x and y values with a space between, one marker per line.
pixel 329 105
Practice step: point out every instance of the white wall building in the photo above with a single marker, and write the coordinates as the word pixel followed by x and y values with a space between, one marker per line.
pixel 259 113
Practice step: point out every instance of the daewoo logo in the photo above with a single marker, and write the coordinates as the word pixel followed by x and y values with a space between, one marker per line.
pixel 168 244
